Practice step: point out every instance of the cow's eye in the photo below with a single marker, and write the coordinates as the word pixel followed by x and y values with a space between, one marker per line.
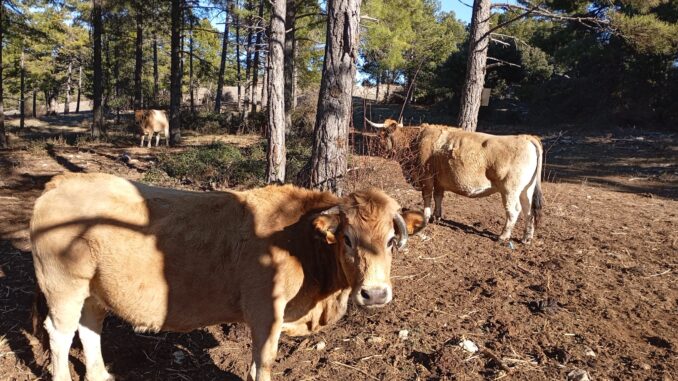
pixel 347 241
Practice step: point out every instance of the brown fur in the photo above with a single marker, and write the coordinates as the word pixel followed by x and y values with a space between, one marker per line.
pixel 165 259
pixel 436 158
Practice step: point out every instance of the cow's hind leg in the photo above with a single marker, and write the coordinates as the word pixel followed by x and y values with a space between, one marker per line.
pixel 91 323
pixel 157 139
pixel 427 194
pixel 526 203
pixel 438 194
pixel 62 322
pixel 143 136
pixel 512 207
pixel 150 140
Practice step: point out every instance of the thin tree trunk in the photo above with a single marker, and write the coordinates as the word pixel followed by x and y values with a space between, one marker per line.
pixel 156 76
pixel 67 105
pixel 175 73
pixel 265 82
pixel 222 63
pixel 257 47
pixel 330 139
pixel 138 55
pixel 98 122
pixel 237 51
pixel 248 64
pixel 191 84
pixel 35 103
pixel 277 153
pixel 376 97
pixel 4 140
pixel 388 87
pixel 290 53
pixel 475 66
pixel 22 91
pixel 77 102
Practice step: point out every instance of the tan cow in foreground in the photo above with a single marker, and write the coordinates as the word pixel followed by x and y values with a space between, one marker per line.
pixel 150 122
pixel 280 258
pixel 437 158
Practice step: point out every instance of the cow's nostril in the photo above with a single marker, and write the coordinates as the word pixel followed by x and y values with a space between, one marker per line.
pixel 365 294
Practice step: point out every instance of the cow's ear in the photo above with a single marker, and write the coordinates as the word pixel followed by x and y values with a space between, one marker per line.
pixel 326 226
pixel 415 221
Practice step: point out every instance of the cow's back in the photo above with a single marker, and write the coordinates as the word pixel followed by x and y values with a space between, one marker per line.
pixel 156 257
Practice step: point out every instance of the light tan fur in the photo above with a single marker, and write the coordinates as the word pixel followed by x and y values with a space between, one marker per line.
pixel 436 158
pixel 150 122
pixel 280 258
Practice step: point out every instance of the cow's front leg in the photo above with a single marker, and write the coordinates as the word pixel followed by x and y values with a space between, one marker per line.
pixel 266 331
pixel 438 199
pixel 427 194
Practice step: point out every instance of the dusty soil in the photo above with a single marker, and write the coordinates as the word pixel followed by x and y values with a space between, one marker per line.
pixel 597 290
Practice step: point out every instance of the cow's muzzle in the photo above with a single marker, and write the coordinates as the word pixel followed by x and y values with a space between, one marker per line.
pixel 374 296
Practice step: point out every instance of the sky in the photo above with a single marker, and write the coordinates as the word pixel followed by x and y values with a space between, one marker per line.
pixel 462 10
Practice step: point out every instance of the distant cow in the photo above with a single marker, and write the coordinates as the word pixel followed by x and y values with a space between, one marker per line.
pixel 150 122
pixel 280 258
pixel 437 158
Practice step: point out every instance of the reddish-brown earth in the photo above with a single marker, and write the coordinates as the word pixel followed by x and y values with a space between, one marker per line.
pixel 596 291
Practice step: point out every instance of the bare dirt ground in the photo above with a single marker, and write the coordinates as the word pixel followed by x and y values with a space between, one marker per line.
pixel 597 290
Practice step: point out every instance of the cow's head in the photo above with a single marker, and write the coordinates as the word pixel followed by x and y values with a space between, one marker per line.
pixel 365 231
pixel 386 132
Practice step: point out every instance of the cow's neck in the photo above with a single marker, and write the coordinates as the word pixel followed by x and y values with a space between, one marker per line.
pixel 406 152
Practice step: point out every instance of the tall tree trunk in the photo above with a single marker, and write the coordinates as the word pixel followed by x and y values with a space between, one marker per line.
pixel 222 63
pixel 191 84
pixel 4 140
pixel 265 81
pixel 156 76
pixel 22 91
pixel 35 103
pixel 248 64
pixel 376 96
pixel 257 47
pixel 77 102
pixel 277 153
pixel 175 73
pixel 290 69
pixel 237 51
pixel 330 138
pixel 98 123
pixel 138 55
pixel 387 78
pixel 475 66
pixel 67 104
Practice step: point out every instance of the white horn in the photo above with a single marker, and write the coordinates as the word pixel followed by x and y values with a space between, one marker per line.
pixel 375 125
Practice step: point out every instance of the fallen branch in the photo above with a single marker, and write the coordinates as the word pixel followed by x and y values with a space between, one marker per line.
pixel 354 368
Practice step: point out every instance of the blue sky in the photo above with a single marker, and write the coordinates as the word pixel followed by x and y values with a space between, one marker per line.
pixel 463 11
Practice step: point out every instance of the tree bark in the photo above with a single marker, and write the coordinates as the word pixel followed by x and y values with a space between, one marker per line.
pixel 256 64
pixel 330 140
pixel 290 55
pixel 67 104
pixel 222 63
pixel 98 122
pixel 175 75
pixel 77 102
pixel 35 103
pixel 4 140
pixel 276 155
pixel 475 66
pixel 22 91
pixel 138 56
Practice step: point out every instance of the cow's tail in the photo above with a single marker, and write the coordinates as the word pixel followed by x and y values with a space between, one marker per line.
pixel 38 317
pixel 537 196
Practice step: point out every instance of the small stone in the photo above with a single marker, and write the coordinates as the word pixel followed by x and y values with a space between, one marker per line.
pixel 403 334
pixel 375 340
pixel 179 357
pixel 578 375
pixel 645 366
pixel 320 345
pixel 589 352
pixel 468 346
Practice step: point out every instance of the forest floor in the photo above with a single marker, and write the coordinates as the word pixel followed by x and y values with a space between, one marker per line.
pixel 596 292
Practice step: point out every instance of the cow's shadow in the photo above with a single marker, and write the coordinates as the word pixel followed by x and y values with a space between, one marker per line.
pixel 467 229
